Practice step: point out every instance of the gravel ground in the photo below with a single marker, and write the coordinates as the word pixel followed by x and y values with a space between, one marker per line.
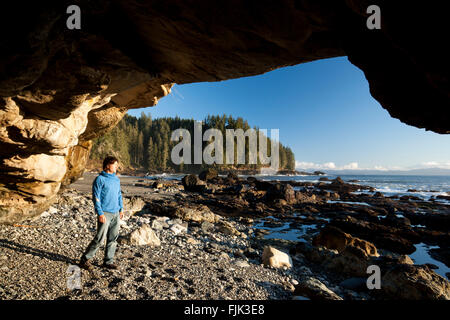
pixel 35 260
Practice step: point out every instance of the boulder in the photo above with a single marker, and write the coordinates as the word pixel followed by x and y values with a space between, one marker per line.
pixel 394 243
pixel 281 191
pixel 314 289
pixel 132 205
pixel 391 259
pixel 334 238
pixel 352 261
pixel 158 185
pixel 386 237
pixel 143 236
pixel 233 176
pixel 208 174
pixel 196 213
pixel 262 185
pixel 413 282
pixel 275 258
pixel 160 224
pixel 443 197
pixel 207 226
pixel 251 179
pixel 177 228
pixel 334 195
pixel 396 221
pixel 227 228
pixel 338 180
pixel 303 197
pixel 192 183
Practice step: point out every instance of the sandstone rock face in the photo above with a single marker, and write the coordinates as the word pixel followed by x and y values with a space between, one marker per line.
pixel 60 88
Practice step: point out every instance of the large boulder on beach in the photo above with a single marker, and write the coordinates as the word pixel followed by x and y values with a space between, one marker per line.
pixel 273 257
pixel 413 282
pixel 208 174
pixel 132 205
pixel 192 182
pixel 281 191
pixel 143 236
pixel 386 237
pixel 352 261
pixel 259 185
pixel 227 228
pixel 303 197
pixel 338 180
pixel 314 289
pixel 233 176
pixel 196 213
pixel 334 238
pixel 340 186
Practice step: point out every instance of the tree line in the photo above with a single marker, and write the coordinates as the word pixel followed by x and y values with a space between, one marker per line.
pixel 144 143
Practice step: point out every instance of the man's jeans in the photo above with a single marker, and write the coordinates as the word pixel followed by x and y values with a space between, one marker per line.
pixel 108 230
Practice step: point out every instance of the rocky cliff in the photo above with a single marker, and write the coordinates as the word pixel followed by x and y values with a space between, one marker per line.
pixel 60 88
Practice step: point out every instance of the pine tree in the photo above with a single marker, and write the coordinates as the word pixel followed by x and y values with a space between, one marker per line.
pixel 145 143
pixel 151 155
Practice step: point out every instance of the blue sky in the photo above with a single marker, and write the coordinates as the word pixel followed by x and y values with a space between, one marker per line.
pixel 324 112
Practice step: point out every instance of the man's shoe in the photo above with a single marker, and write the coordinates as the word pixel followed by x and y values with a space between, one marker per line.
pixel 110 266
pixel 85 264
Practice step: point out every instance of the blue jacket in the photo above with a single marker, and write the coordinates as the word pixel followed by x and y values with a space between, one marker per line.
pixel 106 193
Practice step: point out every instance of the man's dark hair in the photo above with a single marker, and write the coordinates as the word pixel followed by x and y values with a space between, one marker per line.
pixel 109 160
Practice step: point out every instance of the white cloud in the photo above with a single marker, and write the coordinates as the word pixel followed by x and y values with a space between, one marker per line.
pixel 436 164
pixel 327 165
pixel 316 166
pixel 300 165
pixel 351 166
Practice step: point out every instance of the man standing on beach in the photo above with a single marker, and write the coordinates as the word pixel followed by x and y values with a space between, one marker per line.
pixel 107 198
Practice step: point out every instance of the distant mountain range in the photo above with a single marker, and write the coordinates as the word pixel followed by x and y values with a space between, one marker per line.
pixel 412 172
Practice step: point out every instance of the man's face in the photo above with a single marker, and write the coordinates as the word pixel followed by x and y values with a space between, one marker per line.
pixel 112 167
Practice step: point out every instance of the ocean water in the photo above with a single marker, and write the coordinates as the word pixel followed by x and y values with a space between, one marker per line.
pixel 389 185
